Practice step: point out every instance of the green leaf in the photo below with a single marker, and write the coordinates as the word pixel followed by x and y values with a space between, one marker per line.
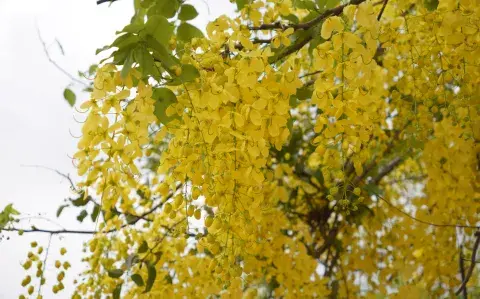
pixel 186 32
pixel 416 144
pixel 60 210
pixel 143 248
pixel 125 41
pixel 127 65
pixel 152 275
pixel 161 53
pixel 241 3
pixel 138 280
pixel 331 3
pixel 431 5
pixel 146 3
pixel 82 215
pixel 327 4
pixel 115 273
pixel 6 215
pixel 373 189
pixel 290 124
pixel 293 101
pixel 305 4
pixel 80 201
pixel 292 18
pixel 95 212
pixel 92 69
pixel 159 27
pixel 317 40
pixel 163 97
pixel 145 60
pixel 99 50
pixel 187 12
pixel 121 55
pixel 304 93
pixel 70 96
pixel 189 73
pixel 117 291
pixel 312 15
pixel 166 8
pixel 10 210
pixel 131 219
pixel 133 28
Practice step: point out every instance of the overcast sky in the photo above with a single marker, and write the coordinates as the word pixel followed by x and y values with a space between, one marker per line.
pixel 35 121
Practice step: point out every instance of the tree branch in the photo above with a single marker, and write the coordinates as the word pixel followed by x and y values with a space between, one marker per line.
pixel 92 232
pixel 309 74
pixel 382 10
pixel 293 48
pixel 104 1
pixel 423 221
pixel 462 272
pixel 472 264
pixel 331 12
pixel 53 232
pixel 387 169
pixel 64 175
pixel 239 46
pixel 56 64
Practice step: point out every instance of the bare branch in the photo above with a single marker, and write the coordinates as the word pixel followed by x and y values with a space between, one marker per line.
pixel 382 10
pixel 472 264
pixel 44 266
pixel 56 64
pixel 292 49
pixel 387 169
pixel 309 74
pixel 53 232
pixel 307 25
pixel 239 46
pixel 462 272
pixel 104 1
pixel 423 221
pixel 64 175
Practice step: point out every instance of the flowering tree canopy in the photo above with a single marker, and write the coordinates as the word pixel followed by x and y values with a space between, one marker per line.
pixel 299 149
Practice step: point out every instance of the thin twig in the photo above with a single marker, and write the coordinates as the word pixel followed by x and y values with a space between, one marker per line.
pixel 292 49
pixel 299 44
pixel 56 64
pixel 64 175
pixel 472 264
pixel 92 232
pixel 344 280
pixel 423 221
pixel 462 272
pixel 331 12
pixel 54 232
pixel 44 267
pixel 382 10
pixel 309 74
pixel 387 169
pixel 104 1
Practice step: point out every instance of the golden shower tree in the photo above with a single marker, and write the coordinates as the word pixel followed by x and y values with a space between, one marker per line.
pixel 300 149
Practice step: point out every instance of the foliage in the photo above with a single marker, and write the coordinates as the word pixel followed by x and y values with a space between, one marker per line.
pixel 7 215
pixel 300 149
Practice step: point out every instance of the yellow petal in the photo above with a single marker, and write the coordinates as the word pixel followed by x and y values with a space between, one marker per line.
pixel 239 120
pixel 256 117
pixel 330 25
pixel 260 104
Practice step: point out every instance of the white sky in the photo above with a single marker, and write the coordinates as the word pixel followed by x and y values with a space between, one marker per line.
pixel 35 120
